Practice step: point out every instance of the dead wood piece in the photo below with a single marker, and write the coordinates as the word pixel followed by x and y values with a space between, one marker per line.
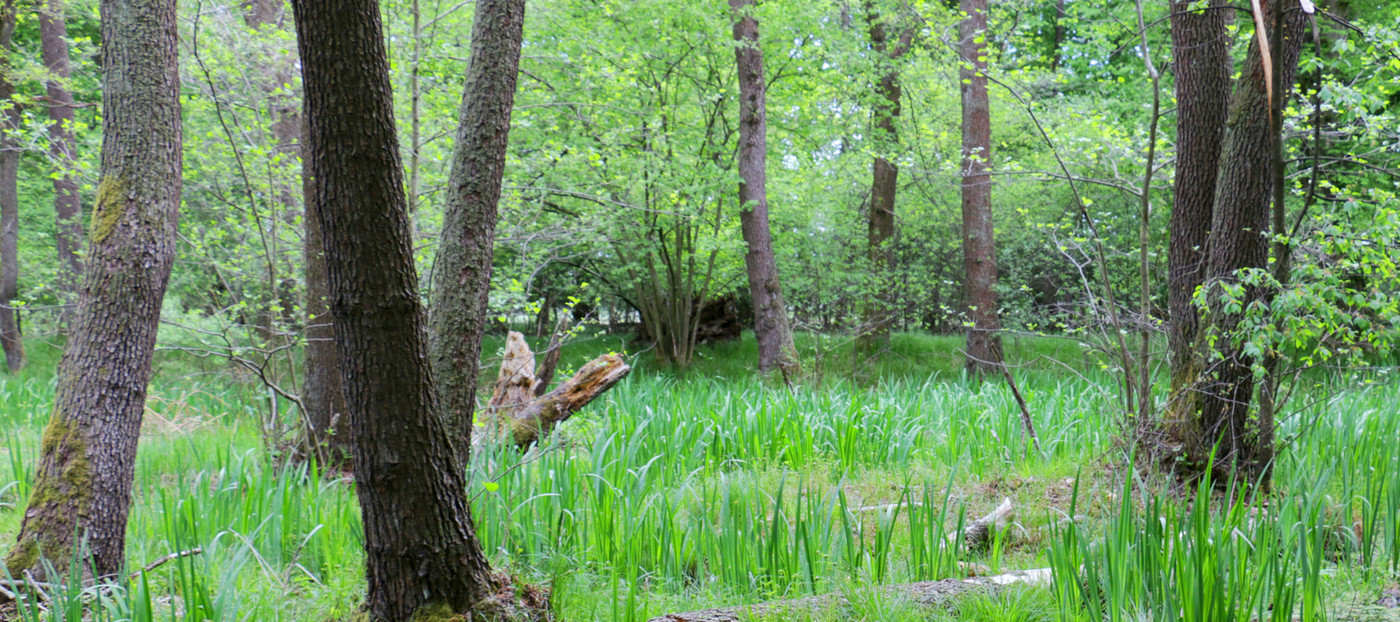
pixel 514 408
pixel 926 594
pixel 978 534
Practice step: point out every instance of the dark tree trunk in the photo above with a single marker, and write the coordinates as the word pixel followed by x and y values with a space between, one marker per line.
pixel 10 338
pixel 67 203
pixel 322 394
pixel 88 454
pixel 1057 53
pixel 1202 64
pixel 1239 239
pixel 770 321
pixel 322 397
pixel 884 184
pixel 462 278
pixel 421 552
pixel 979 242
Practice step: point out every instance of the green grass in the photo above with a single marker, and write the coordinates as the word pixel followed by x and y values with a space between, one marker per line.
pixel 685 490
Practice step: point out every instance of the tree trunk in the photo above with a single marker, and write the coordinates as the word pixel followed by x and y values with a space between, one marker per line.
pixel 10 338
pixel 875 329
pixel 67 203
pixel 88 454
pixel 1057 51
pixel 1239 239
pixel 322 393
pixel 775 345
pixel 979 241
pixel 421 552
pixel 1202 64
pixel 462 279
pixel 322 398
pixel 519 407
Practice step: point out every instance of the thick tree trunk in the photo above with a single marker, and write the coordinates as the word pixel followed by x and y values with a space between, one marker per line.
pixel 875 333
pixel 462 278
pixel 519 407
pixel 776 349
pixel 67 204
pixel 10 338
pixel 1202 64
pixel 979 241
pixel 1239 239
pixel 421 552
pixel 88 455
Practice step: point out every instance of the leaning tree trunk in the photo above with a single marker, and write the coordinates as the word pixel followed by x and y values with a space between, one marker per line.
pixel 979 242
pixel 422 556
pixel 322 393
pixel 1239 239
pixel 875 329
pixel 10 338
pixel 1202 64
pixel 462 278
pixel 67 203
pixel 775 345
pixel 88 455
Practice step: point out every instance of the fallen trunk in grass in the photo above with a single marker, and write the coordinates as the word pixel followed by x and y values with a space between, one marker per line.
pixel 519 408
pixel 926 593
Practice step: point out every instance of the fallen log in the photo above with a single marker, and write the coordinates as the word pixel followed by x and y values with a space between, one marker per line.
pixel 978 534
pixel 518 411
pixel 926 593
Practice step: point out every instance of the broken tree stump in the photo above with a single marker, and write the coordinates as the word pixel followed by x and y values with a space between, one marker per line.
pixel 516 408
pixel 978 534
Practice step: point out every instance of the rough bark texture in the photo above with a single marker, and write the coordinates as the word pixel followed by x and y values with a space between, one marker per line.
pixel 776 350
pixel 1239 238
pixel 884 184
pixel 10 338
pixel 421 551
pixel 88 453
pixel 67 204
pixel 517 408
pixel 322 398
pixel 979 242
pixel 1202 65
pixel 462 277
pixel 322 393
pixel 977 536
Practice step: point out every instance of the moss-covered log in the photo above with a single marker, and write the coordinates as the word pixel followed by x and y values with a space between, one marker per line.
pixel 516 411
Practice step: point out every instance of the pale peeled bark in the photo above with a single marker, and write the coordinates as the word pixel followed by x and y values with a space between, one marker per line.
pixel 518 411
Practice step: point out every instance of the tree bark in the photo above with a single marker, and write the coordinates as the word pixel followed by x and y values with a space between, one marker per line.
pixel 421 551
pixel 1239 239
pixel 67 203
pixel 520 409
pixel 322 392
pixel 88 454
pixel 875 333
pixel 462 278
pixel 1202 64
pixel 979 240
pixel 776 349
pixel 10 338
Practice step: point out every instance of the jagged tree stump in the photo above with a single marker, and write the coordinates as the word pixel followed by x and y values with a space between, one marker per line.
pixel 519 408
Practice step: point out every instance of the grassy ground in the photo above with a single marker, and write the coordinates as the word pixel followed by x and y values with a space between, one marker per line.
pixel 684 490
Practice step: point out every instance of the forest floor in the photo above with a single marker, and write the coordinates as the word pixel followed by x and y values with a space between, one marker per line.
pixel 681 491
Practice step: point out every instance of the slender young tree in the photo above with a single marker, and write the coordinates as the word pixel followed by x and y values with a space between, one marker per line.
pixel 83 483
pixel 1227 424
pixel 322 390
pixel 1202 64
pixel 67 203
pixel 775 345
pixel 9 197
pixel 884 183
pixel 422 557
pixel 462 277
pixel 979 240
